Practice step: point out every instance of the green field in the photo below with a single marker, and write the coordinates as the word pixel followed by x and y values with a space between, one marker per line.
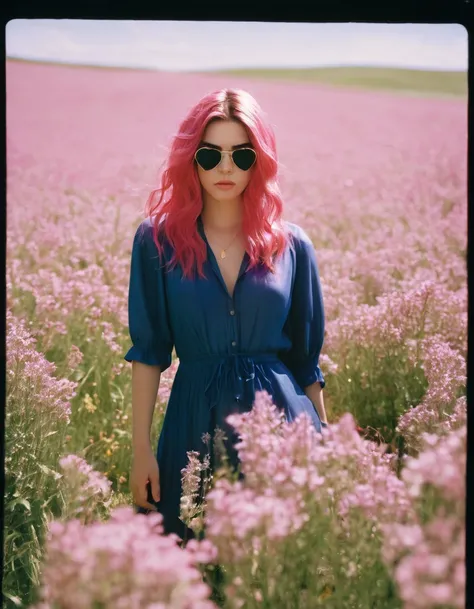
pixel 391 79
pixel 66 64
pixel 416 82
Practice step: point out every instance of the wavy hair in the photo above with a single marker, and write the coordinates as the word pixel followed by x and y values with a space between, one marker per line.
pixel 176 204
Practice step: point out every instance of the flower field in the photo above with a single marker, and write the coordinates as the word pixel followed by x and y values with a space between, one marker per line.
pixel 371 513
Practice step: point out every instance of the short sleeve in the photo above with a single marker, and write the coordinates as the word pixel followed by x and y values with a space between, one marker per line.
pixel 305 323
pixel 148 319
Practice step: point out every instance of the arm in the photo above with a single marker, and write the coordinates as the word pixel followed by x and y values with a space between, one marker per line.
pixel 145 384
pixel 150 331
pixel 305 324
pixel 315 394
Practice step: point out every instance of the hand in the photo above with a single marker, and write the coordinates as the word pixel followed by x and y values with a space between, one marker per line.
pixel 145 471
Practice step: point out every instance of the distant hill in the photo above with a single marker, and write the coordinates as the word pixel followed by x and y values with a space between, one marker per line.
pixel 393 79
pixel 77 65
pixel 421 82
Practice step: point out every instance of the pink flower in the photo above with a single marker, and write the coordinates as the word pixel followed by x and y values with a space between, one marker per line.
pixel 31 375
pixel 125 562
pixel 78 471
pixel 428 559
pixel 290 468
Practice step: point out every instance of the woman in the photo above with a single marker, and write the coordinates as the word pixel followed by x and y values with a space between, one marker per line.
pixel 218 275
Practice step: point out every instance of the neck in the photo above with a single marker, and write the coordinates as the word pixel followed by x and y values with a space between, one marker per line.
pixel 222 216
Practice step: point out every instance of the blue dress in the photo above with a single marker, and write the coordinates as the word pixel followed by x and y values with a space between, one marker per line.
pixel 267 336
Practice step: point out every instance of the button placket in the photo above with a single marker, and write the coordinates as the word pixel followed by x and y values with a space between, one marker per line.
pixel 232 313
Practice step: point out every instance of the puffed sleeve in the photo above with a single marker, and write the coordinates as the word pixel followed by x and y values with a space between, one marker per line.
pixel 148 319
pixel 305 323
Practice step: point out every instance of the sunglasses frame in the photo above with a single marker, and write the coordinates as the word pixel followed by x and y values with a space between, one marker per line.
pixel 222 152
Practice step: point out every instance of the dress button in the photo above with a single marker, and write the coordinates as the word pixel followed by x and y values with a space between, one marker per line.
pixel 232 312
pixel 233 343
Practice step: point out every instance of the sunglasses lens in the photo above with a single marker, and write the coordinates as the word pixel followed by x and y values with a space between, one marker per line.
pixel 245 158
pixel 208 158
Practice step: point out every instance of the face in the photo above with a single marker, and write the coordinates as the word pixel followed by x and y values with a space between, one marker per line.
pixel 225 135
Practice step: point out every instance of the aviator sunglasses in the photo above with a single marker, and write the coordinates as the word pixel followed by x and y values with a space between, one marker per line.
pixel 208 158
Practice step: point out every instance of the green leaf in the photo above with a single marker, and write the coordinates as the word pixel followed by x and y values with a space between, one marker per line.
pixel 35 537
pixel 14 599
pixel 12 536
pixel 24 502
pixel 81 384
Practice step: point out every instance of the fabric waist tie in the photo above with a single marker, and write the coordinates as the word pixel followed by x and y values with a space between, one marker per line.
pixel 236 371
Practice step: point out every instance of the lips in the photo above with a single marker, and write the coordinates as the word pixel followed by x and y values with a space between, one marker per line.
pixel 225 183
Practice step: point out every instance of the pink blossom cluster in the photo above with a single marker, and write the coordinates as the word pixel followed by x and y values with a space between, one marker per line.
pixel 441 408
pixel 425 327
pixel 240 518
pixel 192 491
pixel 125 563
pixel 440 465
pixel 403 316
pixel 75 357
pixel 30 376
pixel 82 288
pixel 428 557
pixel 380 498
pixel 79 473
pixel 289 469
pixel 67 292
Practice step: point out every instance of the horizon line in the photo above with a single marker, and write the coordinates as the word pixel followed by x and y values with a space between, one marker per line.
pixel 229 68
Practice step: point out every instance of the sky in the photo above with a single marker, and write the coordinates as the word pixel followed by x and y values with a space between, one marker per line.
pixel 207 45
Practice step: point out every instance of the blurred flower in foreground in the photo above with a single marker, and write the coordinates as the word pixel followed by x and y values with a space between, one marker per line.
pixel 124 563
pixel 428 558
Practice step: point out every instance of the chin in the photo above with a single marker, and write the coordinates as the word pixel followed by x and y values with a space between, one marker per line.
pixel 226 196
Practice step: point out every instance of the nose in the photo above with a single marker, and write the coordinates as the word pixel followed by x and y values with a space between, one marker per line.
pixel 226 163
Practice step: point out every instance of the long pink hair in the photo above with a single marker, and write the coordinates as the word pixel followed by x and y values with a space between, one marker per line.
pixel 176 204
